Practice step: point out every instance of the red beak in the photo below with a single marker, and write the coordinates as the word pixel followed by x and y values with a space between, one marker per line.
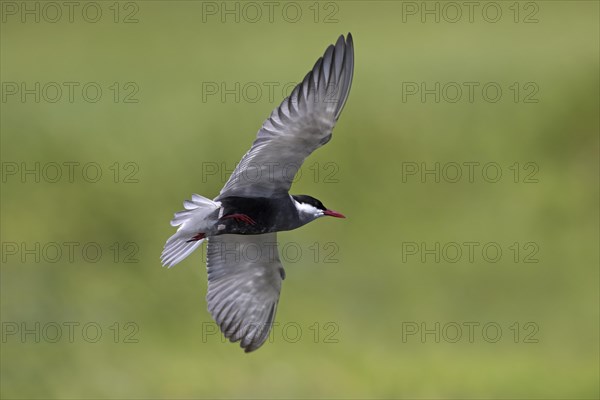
pixel 332 213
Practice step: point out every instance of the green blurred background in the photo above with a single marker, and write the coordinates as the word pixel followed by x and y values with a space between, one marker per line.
pixel 376 290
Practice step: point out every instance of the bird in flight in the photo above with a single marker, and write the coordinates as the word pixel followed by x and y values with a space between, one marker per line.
pixel 241 223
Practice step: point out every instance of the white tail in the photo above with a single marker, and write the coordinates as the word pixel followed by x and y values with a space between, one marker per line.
pixel 193 221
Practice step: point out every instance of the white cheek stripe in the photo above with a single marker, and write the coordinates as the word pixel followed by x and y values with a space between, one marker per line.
pixel 306 208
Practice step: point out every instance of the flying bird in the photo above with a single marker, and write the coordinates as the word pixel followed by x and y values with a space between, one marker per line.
pixel 241 223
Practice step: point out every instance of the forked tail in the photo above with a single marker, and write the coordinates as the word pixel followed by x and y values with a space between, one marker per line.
pixel 193 222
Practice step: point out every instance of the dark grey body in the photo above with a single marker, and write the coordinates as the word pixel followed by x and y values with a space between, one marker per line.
pixel 270 214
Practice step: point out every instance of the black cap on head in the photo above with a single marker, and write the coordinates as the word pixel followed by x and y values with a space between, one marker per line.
pixel 302 198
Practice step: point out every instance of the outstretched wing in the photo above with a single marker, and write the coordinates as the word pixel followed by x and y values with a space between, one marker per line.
pixel 244 281
pixel 301 124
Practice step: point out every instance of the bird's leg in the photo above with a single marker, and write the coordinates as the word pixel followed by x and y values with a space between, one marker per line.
pixel 241 217
pixel 198 236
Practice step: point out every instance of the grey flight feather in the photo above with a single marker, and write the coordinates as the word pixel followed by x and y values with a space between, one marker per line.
pixel 244 281
pixel 300 125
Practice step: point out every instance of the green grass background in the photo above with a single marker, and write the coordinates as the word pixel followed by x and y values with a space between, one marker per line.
pixel 370 292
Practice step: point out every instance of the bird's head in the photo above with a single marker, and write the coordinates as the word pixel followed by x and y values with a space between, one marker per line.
pixel 310 208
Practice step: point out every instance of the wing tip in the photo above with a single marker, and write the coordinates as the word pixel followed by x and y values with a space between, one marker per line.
pixel 347 72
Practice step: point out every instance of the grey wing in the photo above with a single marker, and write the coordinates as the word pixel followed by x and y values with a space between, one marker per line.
pixel 244 281
pixel 301 124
